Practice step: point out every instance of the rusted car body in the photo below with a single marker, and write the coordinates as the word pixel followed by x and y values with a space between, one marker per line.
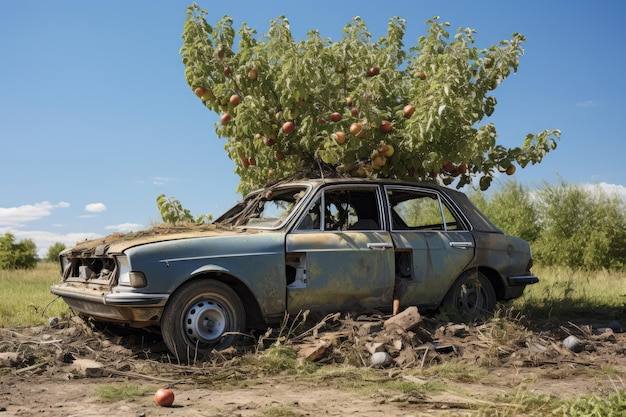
pixel 320 245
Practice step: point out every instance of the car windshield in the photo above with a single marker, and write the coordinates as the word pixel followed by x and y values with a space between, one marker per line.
pixel 264 209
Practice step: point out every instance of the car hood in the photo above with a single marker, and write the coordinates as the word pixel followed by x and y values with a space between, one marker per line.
pixel 119 242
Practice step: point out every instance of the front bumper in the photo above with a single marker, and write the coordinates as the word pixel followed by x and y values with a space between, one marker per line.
pixel 135 309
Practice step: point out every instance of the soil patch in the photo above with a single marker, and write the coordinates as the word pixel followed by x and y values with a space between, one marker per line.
pixel 58 370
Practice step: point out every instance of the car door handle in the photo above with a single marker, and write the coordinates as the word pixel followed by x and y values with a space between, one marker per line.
pixel 462 245
pixel 380 246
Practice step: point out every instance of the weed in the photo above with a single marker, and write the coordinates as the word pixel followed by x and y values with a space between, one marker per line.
pixel 121 392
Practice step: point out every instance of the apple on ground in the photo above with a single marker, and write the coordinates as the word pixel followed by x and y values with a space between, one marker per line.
pixel 164 397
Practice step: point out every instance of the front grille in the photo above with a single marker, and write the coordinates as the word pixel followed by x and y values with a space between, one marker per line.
pixel 90 269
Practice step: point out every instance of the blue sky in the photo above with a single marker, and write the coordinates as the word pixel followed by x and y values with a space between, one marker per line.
pixel 96 119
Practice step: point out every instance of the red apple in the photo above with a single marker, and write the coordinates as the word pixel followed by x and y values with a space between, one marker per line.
pixel 225 118
pixel 227 72
pixel 408 110
pixel 354 111
pixel 269 141
pixel 199 91
pixel 252 161
pixel 320 121
pixel 335 117
pixel 234 99
pixel 373 71
pixel 288 127
pixel 385 126
pixel 448 166
pixel 279 156
pixel 164 397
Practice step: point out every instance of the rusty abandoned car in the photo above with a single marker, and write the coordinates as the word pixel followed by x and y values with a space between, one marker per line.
pixel 320 245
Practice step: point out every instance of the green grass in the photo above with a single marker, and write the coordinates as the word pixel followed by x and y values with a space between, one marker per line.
pixel 566 293
pixel 26 297
pixel 123 392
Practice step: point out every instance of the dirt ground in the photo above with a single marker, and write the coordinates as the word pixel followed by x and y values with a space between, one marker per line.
pixel 57 370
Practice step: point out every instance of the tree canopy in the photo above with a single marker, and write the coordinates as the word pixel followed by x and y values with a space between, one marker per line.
pixel 356 106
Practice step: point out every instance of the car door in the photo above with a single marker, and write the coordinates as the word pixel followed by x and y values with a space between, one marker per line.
pixel 434 239
pixel 339 255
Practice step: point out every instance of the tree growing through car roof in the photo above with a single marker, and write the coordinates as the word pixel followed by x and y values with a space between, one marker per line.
pixel 356 106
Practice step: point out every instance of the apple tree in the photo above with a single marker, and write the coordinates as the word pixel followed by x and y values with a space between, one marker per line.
pixel 356 106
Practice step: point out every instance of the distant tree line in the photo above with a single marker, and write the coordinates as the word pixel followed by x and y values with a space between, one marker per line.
pixel 23 254
pixel 566 225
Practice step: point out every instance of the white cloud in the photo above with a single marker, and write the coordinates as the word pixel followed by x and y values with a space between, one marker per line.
pixel 95 207
pixel 125 227
pixel 17 216
pixel 610 189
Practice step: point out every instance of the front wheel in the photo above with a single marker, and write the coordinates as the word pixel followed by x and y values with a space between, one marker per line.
pixel 471 295
pixel 202 316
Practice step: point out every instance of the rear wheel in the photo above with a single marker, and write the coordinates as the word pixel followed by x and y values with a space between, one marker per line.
pixel 471 295
pixel 200 317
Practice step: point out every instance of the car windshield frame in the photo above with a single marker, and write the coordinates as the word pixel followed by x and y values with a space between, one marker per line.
pixel 271 208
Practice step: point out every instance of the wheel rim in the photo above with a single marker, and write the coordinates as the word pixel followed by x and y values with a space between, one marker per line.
pixel 205 322
pixel 471 297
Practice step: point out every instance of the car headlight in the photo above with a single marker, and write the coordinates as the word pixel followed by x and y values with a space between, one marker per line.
pixel 129 278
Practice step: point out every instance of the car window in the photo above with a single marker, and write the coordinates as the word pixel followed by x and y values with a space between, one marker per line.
pixel 420 210
pixel 269 209
pixel 340 208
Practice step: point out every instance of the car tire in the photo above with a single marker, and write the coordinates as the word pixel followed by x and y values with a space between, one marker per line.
pixel 200 317
pixel 471 296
